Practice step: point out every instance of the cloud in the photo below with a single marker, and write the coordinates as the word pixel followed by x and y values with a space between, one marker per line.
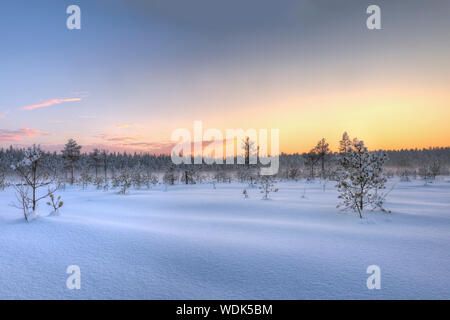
pixel 125 125
pixel 127 143
pixel 48 103
pixel 17 135
pixel 117 139
pixel 148 147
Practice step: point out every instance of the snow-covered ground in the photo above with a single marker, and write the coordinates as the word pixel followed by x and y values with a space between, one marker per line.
pixel 196 242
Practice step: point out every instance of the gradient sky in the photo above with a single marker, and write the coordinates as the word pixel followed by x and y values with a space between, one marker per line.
pixel 137 70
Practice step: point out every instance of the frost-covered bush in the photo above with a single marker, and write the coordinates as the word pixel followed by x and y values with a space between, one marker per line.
pixel 124 181
pixel 137 177
pixel 266 186
pixel 34 176
pixel 3 182
pixel 424 173
pixel 293 173
pixel 23 200
pixel 435 169
pixel 221 176
pixel 170 175
pixel 360 177
pixel 404 176
pixel 85 177
pixel 189 176
pixel 245 174
pixel 55 202
pixel 98 182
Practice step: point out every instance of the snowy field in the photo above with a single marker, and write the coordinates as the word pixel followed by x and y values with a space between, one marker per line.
pixel 194 242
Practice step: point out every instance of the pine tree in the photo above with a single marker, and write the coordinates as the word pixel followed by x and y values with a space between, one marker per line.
pixel 170 174
pixel 322 151
pixel 345 144
pixel 311 159
pixel 96 160
pixel 104 157
pixel 249 151
pixel 360 176
pixel 71 154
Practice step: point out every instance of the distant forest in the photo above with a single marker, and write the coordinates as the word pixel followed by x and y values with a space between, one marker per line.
pixel 104 165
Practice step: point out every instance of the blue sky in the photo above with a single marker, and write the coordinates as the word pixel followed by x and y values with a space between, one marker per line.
pixel 137 70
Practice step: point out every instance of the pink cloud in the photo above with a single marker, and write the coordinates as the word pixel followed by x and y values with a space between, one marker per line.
pixel 117 139
pixel 48 103
pixel 127 143
pixel 17 135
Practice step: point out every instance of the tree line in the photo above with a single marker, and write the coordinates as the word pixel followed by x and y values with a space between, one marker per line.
pixel 360 174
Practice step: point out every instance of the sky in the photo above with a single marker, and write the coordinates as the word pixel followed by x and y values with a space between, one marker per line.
pixel 139 69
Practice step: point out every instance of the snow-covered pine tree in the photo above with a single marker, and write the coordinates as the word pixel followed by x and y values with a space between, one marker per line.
pixel 188 176
pixel 96 160
pixel 170 175
pixel 85 177
pixel 71 154
pixel 360 176
pixel 124 180
pixel 105 160
pixel 345 144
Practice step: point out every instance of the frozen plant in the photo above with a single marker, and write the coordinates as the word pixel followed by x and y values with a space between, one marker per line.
pixel 98 182
pixel 404 176
pixel 170 176
pixel 424 172
pixel 435 169
pixel 124 181
pixel 55 203
pixel 23 201
pixel 188 176
pixel 85 178
pixel 360 177
pixel 266 186
pixel 137 177
pixel 96 160
pixel 3 183
pixel 293 173
pixel 311 159
pixel 34 176
pixel 304 193
pixel 154 179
